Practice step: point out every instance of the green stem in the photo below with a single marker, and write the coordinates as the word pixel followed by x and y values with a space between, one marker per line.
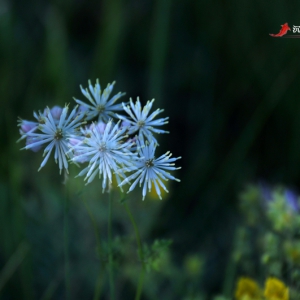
pixel 230 270
pixel 98 285
pixel 66 245
pixel 97 235
pixel 140 284
pixel 141 253
pixel 110 257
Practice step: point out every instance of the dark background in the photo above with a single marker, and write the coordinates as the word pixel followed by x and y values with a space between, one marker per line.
pixel 231 92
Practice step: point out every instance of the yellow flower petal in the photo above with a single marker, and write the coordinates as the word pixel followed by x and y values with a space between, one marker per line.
pixel 275 289
pixel 247 289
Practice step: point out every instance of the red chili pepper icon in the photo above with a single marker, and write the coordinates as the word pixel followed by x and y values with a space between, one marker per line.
pixel 284 29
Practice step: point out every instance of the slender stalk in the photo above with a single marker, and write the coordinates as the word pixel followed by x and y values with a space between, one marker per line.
pixel 13 263
pixel 230 270
pixel 136 231
pixel 66 245
pixel 99 281
pixel 110 257
pixel 98 286
pixel 141 253
pixel 96 231
pixel 140 284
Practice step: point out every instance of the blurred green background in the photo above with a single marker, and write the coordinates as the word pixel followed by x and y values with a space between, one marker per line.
pixel 231 92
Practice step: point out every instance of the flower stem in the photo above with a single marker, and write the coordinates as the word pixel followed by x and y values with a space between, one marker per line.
pixel 140 251
pixel 98 286
pixel 99 281
pixel 231 268
pixel 110 257
pixel 66 245
pixel 97 235
pixel 140 284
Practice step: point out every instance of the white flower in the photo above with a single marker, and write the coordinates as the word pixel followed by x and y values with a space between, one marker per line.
pixel 107 151
pixel 100 105
pixel 55 132
pixel 148 169
pixel 140 121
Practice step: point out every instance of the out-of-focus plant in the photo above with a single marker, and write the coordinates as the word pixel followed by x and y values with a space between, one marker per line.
pixel 283 211
pixel 250 200
pixel 193 265
pixel 267 244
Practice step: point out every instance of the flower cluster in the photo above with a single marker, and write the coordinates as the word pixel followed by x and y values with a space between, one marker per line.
pixel 111 143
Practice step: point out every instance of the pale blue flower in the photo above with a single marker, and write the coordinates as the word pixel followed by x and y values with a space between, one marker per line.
pixel 107 151
pixel 54 130
pixel 147 169
pixel 100 106
pixel 141 122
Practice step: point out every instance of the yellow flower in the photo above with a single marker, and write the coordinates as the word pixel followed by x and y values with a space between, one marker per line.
pixel 247 289
pixel 276 290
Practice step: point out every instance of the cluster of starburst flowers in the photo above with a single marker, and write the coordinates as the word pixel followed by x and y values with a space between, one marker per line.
pixel 114 139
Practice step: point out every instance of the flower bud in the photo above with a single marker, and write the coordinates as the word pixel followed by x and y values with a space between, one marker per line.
pixel 56 112
pixel 30 140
